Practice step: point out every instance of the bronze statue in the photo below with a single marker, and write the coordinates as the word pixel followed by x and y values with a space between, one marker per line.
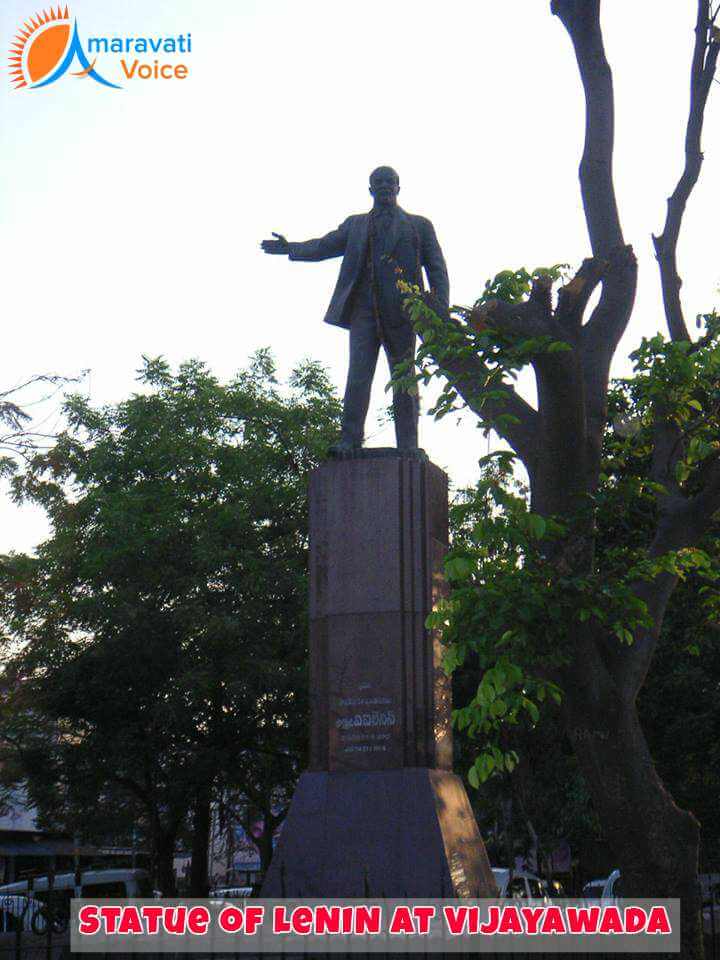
pixel 378 248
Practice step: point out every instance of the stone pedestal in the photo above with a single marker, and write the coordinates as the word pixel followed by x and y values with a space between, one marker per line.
pixel 379 812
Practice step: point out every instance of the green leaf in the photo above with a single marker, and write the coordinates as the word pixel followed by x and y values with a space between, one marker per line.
pixel 486 693
pixel 513 673
pixel 459 568
pixel 536 525
pixel 498 708
pixel 531 709
pixel 486 765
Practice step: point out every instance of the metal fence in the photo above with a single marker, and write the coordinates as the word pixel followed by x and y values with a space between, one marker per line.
pixel 36 928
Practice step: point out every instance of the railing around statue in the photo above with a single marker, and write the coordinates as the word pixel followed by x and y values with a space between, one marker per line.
pixel 34 928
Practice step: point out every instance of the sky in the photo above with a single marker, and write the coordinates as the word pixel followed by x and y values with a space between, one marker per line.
pixel 131 218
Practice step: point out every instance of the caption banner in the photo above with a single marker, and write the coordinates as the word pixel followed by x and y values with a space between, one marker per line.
pixel 374 926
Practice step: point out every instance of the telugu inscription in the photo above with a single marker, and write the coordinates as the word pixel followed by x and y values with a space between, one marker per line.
pixel 365 730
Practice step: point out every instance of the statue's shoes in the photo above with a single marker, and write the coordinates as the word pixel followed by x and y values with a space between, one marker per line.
pixel 343 448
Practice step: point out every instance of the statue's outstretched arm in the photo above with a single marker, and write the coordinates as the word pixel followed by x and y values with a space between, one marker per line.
pixel 331 245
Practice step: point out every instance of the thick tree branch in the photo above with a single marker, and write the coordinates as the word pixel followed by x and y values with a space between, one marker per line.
pixel 668 449
pixel 707 502
pixel 704 62
pixel 513 317
pixel 133 787
pixel 581 19
pixel 682 523
pixel 559 483
pixel 599 338
pixel 610 317
pixel 541 296
pixel 468 375
pixel 574 296
pixel 530 318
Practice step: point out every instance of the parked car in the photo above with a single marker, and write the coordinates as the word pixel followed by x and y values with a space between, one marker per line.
pixel 520 885
pixel 556 889
pixel 605 891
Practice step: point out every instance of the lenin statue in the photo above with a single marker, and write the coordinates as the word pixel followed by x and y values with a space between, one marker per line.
pixel 378 249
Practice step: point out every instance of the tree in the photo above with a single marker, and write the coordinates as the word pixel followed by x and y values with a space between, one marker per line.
pixel 680 706
pixel 542 799
pixel 166 612
pixel 555 618
pixel 18 442
pixel 534 797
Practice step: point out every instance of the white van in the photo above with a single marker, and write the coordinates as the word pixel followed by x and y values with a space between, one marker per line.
pixel 19 911
pixel 521 885
pixel 604 891
pixel 94 884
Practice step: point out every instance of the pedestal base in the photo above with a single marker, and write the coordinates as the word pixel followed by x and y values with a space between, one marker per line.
pixel 386 833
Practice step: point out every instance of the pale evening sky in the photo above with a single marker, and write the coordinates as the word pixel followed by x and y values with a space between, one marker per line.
pixel 131 219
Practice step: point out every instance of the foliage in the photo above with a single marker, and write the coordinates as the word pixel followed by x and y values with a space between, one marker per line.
pixel 680 705
pixel 680 381
pixel 512 608
pixel 467 337
pixel 679 708
pixel 20 438
pixel 162 625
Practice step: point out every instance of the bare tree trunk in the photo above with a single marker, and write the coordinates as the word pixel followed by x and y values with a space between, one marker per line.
pixel 265 847
pixel 199 875
pixel 654 842
pixel 164 855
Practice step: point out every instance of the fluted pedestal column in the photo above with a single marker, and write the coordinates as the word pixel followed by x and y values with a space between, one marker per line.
pixel 379 811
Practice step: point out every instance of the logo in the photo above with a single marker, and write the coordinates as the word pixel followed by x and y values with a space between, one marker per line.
pixel 48 44
pixel 44 49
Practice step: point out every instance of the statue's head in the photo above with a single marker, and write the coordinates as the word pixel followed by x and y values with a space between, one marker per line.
pixel 384 185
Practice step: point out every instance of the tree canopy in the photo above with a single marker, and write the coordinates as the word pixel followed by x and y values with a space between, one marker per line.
pixel 160 629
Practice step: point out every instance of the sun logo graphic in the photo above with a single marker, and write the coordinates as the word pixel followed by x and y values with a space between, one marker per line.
pixel 45 48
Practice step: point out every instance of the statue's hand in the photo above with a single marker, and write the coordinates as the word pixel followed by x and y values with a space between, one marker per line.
pixel 279 245
pixel 433 301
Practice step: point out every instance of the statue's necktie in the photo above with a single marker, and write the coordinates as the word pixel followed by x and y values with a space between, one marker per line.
pixel 383 233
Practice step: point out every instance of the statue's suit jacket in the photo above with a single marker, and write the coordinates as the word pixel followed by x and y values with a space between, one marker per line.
pixel 411 244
